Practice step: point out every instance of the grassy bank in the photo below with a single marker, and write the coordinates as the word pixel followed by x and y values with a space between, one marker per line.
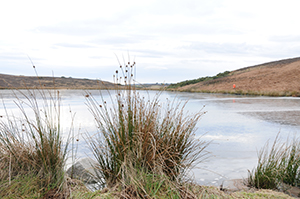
pixel 244 92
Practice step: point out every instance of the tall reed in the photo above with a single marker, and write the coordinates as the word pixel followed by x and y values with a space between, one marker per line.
pixel 141 133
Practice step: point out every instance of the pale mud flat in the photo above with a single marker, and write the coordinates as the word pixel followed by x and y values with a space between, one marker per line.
pixel 282 117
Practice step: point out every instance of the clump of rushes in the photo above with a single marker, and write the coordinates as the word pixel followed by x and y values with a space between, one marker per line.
pixel 138 136
pixel 31 143
pixel 277 167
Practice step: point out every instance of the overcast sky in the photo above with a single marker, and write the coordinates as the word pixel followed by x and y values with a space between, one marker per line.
pixel 170 40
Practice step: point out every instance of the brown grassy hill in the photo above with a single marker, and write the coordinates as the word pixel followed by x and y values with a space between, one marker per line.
pixel 12 81
pixel 278 78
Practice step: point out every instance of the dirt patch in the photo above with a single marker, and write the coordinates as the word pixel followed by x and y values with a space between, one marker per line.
pixel 275 78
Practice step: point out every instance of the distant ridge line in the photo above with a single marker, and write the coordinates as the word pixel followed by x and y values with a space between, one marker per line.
pixel 269 64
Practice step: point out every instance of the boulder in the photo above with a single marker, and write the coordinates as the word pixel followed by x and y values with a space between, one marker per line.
pixel 83 170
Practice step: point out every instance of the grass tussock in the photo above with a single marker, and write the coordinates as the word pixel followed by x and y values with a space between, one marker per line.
pixel 142 144
pixel 277 166
pixel 31 144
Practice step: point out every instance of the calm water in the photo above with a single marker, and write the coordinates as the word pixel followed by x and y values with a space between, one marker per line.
pixel 238 127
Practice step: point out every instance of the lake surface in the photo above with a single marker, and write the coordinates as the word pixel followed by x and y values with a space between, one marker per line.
pixel 238 126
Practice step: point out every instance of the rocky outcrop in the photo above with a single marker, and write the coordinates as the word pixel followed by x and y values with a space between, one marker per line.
pixel 83 170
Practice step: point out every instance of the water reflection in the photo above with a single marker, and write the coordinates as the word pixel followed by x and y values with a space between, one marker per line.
pixel 238 126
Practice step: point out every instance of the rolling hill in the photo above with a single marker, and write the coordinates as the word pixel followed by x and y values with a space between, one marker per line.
pixel 19 82
pixel 277 78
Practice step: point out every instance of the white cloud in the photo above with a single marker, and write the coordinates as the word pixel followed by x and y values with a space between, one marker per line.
pixel 180 39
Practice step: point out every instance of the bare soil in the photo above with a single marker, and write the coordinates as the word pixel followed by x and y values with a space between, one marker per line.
pixel 278 78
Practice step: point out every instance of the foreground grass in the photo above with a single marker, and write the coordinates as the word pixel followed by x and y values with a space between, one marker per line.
pixel 142 146
pixel 277 165
pixel 196 192
pixel 26 187
pixel 32 151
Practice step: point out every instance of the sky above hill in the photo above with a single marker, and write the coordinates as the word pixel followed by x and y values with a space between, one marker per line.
pixel 170 40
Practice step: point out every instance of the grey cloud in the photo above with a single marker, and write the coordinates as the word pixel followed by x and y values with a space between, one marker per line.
pixel 70 45
pixel 223 48
pixel 116 40
pixel 98 57
pixel 13 56
pixel 85 27
pixel 199 29
pixel 70 29
pixel 281 51
pixel 242 49
pixel 122 39
pixel 150 53
pixel 285 38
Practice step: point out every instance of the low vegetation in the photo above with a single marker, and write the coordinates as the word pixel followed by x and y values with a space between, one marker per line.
pixel 277 166
pixel 143 147
pixel 201 79
pixel 32 151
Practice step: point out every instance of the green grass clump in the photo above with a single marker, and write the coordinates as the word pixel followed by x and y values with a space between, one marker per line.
pixel 279 166
pixel 31 144
pixel 151 138
pixel 22 186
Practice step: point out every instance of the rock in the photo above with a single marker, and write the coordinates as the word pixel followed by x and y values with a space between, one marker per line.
pixel 83 170
pixel 234 185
